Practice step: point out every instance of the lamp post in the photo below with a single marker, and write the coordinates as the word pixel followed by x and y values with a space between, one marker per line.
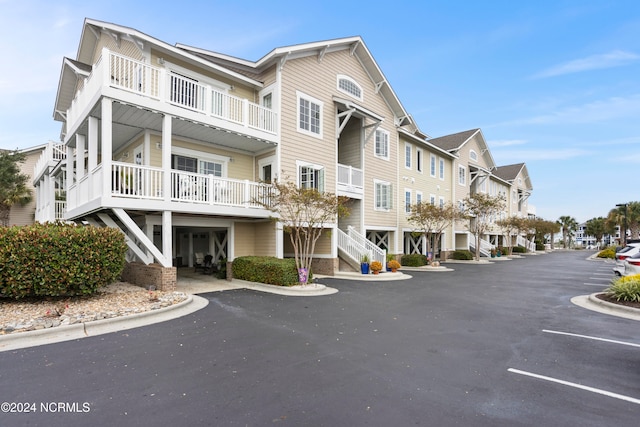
pixel 620 205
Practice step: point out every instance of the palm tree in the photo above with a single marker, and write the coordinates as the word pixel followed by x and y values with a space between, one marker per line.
pixel 13 184
pixel 569 226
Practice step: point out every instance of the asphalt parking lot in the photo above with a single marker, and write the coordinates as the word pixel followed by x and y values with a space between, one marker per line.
pixel 484 345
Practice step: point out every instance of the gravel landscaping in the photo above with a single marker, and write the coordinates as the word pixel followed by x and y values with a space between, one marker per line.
pixel 117 299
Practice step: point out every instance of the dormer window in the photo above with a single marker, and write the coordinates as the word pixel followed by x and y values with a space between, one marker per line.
pixel 350 87
pixel 473 155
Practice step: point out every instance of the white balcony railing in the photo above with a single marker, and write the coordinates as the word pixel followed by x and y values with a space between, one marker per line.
pixel 60 208
pixel 185 91
pixel 144 182
pixel 350 179
pixel 51 155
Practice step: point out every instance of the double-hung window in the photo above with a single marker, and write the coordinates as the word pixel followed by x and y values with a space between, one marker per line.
pixel 419 159
pixel 432 165
pixel 383 195
pixel 441 170
pixel 407 156
pixel 462 175
pixel 311 176
pixel 382 144
pixel 407 201
pixel 309 115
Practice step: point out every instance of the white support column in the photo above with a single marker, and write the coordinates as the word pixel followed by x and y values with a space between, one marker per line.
pixel 71 199
pixel 280 240
pixel 107 134
pixel 80 144
pixel 166 156
pixel 92 147
pixel 167 235
pixel 334 242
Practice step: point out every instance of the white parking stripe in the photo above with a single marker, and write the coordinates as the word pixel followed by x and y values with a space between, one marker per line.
pixel 591 338
pixel 604 274
pixel 580 386
pixel 594 284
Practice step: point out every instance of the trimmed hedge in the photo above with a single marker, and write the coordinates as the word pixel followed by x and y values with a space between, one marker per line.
pixel 266 269
pixel 59 259
pixel 413 260
pixel 518 250
pixel 461 254
pixel 539 246
pixel 609 252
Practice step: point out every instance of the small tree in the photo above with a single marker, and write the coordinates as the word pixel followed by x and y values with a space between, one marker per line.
pixel 569 226
pixel 304 213
pixel 597 228
pixel 508 227
pixel 13 184
pixel 431 220
pixel 480 208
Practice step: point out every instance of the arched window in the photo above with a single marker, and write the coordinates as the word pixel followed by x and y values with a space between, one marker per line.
pixel 349 86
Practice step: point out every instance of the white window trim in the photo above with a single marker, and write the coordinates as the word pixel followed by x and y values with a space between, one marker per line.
pixel 410 158
pixel 473 155
pixel 418 197
pixel 345 77
pixel 271 160
pixel 375 195
pixel 302 95
pixel 433 171
pixel 441 201
pixel 464 181
pixel 200 78
pixel 432 199
pixel 301 163
pixel 419 160
pixel 441 168
pixel 207 157
pixel 407 207
pixel 388 144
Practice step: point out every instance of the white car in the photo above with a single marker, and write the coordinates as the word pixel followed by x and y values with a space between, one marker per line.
pixel 632 265
pixel 624 253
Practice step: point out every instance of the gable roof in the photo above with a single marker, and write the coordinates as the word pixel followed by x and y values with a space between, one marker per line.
pixel 510 173
pixel 453 143
pixel 279 57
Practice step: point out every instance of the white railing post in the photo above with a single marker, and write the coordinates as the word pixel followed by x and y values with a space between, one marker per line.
pixel 247 194
pixel 245 113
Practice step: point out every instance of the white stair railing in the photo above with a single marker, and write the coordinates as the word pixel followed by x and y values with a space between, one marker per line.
pixel 351 248
pixel 377 254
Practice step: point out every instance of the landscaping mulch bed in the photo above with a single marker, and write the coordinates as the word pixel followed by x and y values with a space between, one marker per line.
pixel 607 298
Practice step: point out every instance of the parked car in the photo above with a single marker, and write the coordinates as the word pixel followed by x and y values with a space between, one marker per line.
pixel 632 265
pixel 631 249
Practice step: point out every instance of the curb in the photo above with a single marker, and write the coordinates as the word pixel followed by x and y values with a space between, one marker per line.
pixel 314 289
pixel 591 302
pixel 76 331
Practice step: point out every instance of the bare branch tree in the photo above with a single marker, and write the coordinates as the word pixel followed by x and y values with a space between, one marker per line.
pixel 481 209
pixel 304 214
pixel 431 220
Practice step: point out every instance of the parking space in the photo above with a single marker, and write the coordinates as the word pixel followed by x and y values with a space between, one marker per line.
pixel 483 345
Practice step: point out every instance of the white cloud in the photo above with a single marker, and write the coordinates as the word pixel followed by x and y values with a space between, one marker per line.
pixel 505 142
pixel 505 156
pixel 596 111
pixel 616 58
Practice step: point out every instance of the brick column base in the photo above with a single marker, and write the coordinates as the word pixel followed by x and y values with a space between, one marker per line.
pixel 163 278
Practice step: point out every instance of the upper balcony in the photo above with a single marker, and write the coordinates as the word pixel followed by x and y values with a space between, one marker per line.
pixel 158 89
pixel 50 157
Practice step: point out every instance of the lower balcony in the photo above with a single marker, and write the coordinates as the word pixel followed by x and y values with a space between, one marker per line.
pixel 143 188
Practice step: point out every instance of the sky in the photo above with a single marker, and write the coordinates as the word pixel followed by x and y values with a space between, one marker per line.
pixel 553 84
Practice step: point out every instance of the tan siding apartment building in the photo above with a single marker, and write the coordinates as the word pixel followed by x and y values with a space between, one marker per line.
pixel 174 144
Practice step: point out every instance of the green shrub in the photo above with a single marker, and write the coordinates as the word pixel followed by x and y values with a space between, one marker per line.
pixel 462 254
pixel 609 252
pixel 625 289
pixel 413 260
pixel 59 259
pixel 265 269
pixel 519 249
pixel 539 246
